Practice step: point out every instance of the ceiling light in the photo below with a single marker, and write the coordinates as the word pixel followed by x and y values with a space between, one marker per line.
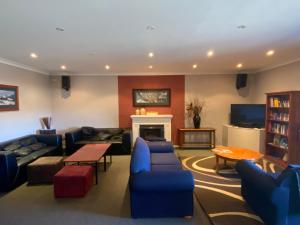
pixel 151 54
pixel 270 52
pixel 240 65
pixel 60 29
pixel 63 67
pixel 107 67
pixel 33 55
pixel 150 67
pixel 210 53
pixel 241 27
pixel 195 66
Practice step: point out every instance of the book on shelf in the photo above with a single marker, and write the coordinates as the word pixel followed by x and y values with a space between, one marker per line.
pixel 279 116
pixel 280 141
pixel 278 128
pixel 279 103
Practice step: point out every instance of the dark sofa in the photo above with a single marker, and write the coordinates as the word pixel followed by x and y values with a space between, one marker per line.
pixel 119 138
pixel 16 154
pixel 159 187
pixel 275 197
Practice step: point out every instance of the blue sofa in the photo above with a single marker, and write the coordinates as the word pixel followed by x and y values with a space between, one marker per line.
pixel 16 154
pixel 274 197
pixel 159 187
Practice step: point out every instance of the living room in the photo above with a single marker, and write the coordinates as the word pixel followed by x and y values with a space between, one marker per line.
pixel 196 52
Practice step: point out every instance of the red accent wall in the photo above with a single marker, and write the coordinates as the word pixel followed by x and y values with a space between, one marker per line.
pixel 175 83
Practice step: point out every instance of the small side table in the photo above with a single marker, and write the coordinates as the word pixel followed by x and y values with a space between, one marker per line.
pixel 47 131
pixel 210 143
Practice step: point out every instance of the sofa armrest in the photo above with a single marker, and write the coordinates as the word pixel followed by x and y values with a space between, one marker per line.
pixel 257 178
pixel 160 146
pixel 126 141
pixel 51 140
pixel 179 180
pixel 8 170
pixel 73 136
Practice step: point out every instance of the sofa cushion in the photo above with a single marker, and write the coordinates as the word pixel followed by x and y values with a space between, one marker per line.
pixel 140 159
pixel 102 136
pixel 160 146
pixel 164 159
pixel 88 132
pixel 36 146
pixel 28 141
pixel 116 131
pixel 12 146
pixel 34 155
pixel 24 151
pixel 165 167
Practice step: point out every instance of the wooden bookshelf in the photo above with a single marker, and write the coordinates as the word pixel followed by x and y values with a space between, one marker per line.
pixel 283 127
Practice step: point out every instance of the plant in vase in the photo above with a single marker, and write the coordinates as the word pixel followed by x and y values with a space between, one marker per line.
pixel 194 108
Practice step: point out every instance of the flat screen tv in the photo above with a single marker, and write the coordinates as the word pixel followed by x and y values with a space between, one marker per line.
pixel 248 115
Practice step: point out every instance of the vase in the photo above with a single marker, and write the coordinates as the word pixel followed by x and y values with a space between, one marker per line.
pixel 143 111
pixel 197 121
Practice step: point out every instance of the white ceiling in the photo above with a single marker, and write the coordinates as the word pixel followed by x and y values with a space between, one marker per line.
pixel 100 32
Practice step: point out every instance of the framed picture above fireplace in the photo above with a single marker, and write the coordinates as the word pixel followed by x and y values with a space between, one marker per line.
pixel 151 97
pixel 9 98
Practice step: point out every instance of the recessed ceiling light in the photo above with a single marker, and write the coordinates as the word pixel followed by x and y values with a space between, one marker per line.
pixel 63 67
pixel 210 53
pixel 239 65
pixel 270 52
pixel 241 27
pixel 107 67
pixel 151 54
pixel 150 67
pixel 195 66
pixel 60 29
pixel 33 55
pixel 150 27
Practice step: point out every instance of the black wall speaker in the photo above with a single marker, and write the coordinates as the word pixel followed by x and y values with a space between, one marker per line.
pixel 241 80
pixel 65 83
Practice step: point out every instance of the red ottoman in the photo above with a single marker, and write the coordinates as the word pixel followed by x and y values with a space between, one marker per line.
pixel 73 181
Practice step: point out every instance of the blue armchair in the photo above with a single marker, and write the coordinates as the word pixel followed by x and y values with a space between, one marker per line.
pixel 274 197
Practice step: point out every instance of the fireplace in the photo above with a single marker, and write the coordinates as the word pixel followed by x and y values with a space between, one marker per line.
pixel 153 132
pixel 150 120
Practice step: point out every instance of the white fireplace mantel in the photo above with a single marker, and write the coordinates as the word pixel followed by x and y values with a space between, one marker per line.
pixel 138 120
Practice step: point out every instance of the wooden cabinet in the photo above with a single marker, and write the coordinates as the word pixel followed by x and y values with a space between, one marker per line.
pixel 283 127
pixel 201 138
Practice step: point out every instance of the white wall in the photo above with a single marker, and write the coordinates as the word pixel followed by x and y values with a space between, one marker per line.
pixel 34 102
pixel 218 92
pixel 286 78
pixel 92 101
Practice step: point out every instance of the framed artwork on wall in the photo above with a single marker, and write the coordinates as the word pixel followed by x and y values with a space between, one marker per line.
pixel 9 98
pixel 151 97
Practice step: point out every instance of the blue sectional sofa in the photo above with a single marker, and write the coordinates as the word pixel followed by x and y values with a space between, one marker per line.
pixel 274 197
pixel 159 187
pixel 16 154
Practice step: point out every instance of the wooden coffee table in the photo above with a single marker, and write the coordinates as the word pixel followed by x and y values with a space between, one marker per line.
pixel 90 153
pixel 234 154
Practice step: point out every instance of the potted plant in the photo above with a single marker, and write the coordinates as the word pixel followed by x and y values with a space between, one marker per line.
pixel 194 108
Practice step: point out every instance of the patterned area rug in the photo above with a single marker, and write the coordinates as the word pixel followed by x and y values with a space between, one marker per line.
pixel 220 194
